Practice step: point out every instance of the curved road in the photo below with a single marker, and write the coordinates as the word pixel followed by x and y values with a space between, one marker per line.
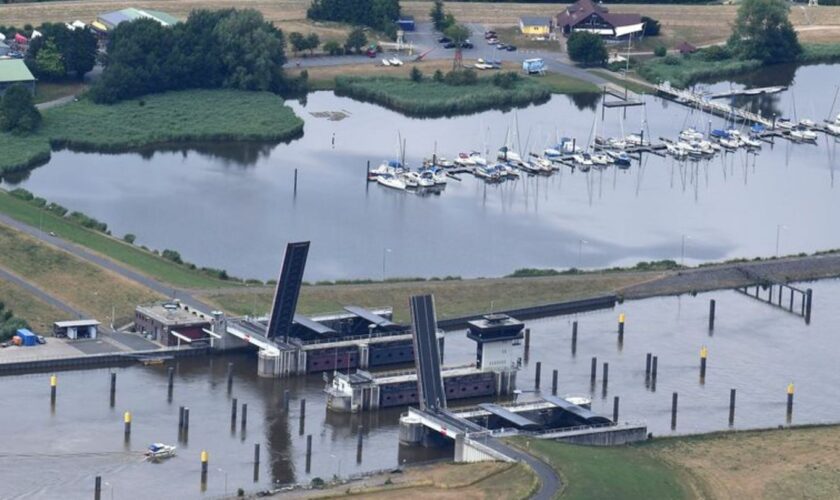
pixel 105 262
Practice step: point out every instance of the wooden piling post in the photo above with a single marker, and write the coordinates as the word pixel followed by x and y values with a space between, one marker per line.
pixel 615 410
pixel 647 365
pixel 113 393
pixel 703 355
pixel 295 181
pixel 359 445
pixel 712 305
pixel 170 383
pixel 537 375
pixel 308 452
pixel 574 337
pixel 186 421
pixel 674 411
pixel 527 338
pixel 256 453
pixel 554 383
pixel 180 417
pixel 97 488
pixel 303 408
pixel 593 370
pixel 53 388
pixel 229 377
pixel 808 298
pixel 731 407
pixel 244 415
pixel 233 405
pixel 606 377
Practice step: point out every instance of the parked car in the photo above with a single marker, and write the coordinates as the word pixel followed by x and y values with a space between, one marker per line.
pixel 444 39
pixel 492 41
pixel 501 46
pixel 467 45
pixel 449 45
pixel 4 345
pixel 511 48
pixel 41 339
pixel 489 34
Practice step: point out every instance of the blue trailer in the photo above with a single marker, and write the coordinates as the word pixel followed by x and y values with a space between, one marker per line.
pixel 406 23
pixel 27 338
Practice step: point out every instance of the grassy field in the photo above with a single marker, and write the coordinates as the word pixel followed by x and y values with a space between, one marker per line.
pixel 777 464
pixel 132 256
pixel 429 98
pixel 592 473
pixel 621 82
pixel 37 313
pixel 562 84
pixel 482 480
pixel 452 298
pixel 155 119
pixel 77 283
pixel 698 24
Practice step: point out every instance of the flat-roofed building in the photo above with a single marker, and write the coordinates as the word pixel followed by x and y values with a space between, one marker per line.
pixel 171 323
pixel 76 329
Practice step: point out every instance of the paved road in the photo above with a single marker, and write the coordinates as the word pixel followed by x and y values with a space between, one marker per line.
pixel 41 294
pixel 549 480
pixel 98 260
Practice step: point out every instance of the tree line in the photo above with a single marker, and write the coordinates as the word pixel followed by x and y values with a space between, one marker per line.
pixel 377 14
pixel 9 323
pixel 229 48
pixel 59 53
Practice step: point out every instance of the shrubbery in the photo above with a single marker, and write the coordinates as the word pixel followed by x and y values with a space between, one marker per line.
pixel 586 48
pixel 17 112
pixel 9 324
pixel 377 14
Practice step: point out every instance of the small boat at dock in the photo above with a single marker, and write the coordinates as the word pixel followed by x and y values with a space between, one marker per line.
pixel 391 181
pixel 159 451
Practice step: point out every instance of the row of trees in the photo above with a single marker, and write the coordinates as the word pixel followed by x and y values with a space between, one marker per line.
pixel 61 52
pixel 224 48
pixel 377 14
pixel 355 42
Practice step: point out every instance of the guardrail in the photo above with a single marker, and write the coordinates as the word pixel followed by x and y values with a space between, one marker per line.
pixel 104 359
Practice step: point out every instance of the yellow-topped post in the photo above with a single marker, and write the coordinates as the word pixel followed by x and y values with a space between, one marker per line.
pixel 53 388
pixel 621 318
pixel 127 421
pixel 704 353
pixel 789 400
pixel 205 458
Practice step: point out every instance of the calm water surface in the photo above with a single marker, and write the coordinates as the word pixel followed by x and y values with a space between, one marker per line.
pixel 233 206
pixel 755 348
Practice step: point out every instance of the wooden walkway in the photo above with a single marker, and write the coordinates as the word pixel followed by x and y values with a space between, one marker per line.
pixel 704 103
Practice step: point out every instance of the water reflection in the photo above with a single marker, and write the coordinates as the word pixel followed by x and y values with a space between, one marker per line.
pixel 730 205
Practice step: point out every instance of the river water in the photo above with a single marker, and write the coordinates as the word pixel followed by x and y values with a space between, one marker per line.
pixel 233 206
pixel 754 348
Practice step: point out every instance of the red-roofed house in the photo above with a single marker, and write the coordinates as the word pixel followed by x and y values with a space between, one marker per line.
pixel 586 15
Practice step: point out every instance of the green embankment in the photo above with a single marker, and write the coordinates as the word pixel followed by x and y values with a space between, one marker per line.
pixel 429 98
pixel 682 71
pixel 192 115
pixel 592 472
pixel 132 256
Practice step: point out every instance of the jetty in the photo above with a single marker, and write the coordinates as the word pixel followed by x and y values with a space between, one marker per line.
pixel 747 92
pixel 704 103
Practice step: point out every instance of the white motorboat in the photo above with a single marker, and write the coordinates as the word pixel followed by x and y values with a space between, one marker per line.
pixel 395 61
pixel 690 134
pixel 386 167
pixel 488 173
pixel 750 142
pixel 620 158
pixel 803 134
pixel 582 159
pixel 600 159
pixel 619 144
pixel 413 180
pixel 636 140
pixel 386 62
pixel 676 151
pixel 730 144
pixel 552 153
pixel 508 171
pixel 833 128
pixel 784 123
pixel 436 175
pixel 505 154
pixel 159 451
pixel 805 122
pixel 391 181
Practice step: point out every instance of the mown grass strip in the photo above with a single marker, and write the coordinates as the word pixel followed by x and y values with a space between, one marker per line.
pixel 134 257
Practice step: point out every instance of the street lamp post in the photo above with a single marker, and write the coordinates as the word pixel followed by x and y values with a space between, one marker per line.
pixel 226 482
pixel 779 228
pixel 580 251
pixel 682 250
pixel 385 252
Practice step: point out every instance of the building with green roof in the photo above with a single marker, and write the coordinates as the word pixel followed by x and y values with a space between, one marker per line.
pixel 14 71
